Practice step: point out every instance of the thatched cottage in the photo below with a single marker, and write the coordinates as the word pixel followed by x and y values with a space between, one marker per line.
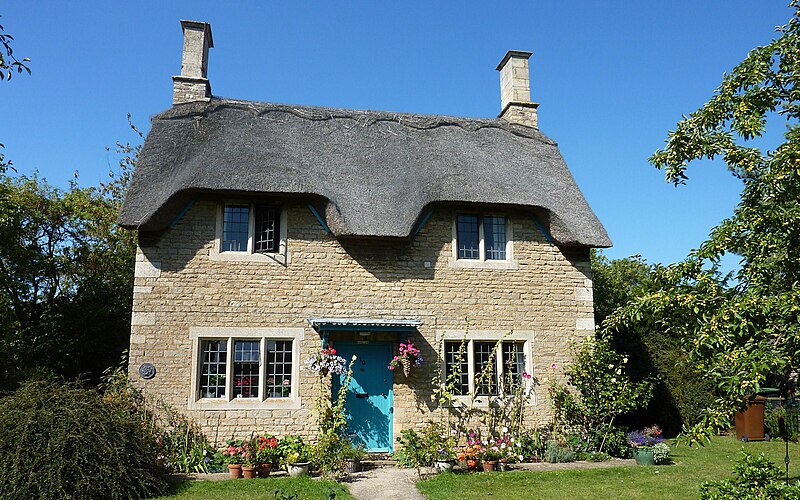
pixel 268 230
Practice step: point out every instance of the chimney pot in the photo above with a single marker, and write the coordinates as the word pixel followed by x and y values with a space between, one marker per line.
pixel 193 84
pixel 515 89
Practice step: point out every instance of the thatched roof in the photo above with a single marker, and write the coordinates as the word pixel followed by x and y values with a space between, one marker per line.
pixel 374 171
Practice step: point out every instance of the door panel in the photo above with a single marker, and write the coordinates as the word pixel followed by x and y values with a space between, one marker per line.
pixel 369 402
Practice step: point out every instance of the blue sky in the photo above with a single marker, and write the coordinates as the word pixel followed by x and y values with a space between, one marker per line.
pixel 611 78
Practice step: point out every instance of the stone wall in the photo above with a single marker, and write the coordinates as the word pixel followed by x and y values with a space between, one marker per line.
pixel 547 292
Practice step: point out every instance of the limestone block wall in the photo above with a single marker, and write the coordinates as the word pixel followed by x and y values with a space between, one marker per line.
pixel 547 292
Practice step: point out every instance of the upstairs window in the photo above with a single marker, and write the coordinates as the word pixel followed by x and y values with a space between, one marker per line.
pixel 250 229
pixel 481 237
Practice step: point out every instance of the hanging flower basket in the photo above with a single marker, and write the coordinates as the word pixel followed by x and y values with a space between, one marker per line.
pixel 408 357
pixel 406 363
pixel 325 362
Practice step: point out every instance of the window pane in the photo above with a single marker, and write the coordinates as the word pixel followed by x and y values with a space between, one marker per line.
pixel 279 369
pixel 456 367
pixel 267 233
pixel 485 383
pixel 235 220
pixel 494 232
pixel 213 357
pixel 513 365
pixel 245 368
pixel 467 236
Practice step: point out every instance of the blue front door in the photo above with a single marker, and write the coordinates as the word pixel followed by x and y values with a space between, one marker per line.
pixel 369 396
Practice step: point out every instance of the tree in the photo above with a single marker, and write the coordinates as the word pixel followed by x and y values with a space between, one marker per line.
pixel 746 335
pixel 66 275
pixel 679 392
pixel 9 62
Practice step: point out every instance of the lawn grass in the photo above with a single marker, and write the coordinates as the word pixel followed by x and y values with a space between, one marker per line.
pixel 680 480
pixel 243 489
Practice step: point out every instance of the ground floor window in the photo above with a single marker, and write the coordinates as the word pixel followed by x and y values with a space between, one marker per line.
pixel 484 367
pixel 258 366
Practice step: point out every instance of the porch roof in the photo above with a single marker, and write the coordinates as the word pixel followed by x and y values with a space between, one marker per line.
pixel 321 325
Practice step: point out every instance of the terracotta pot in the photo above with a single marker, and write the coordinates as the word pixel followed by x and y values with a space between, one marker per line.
pixel 235 470
pixel 489 466
pixel 264 470
pixel 472 464
pixel 249 472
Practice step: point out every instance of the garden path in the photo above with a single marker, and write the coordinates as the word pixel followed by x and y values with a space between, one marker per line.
pixel 386 483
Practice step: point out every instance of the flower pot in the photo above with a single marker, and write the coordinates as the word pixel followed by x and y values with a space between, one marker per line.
pixel 298 469
pixel 249 472
pixel 489 466
pixel 264 470
pixel 644 456
pixel 235 470
pixel 443 465
pixel 353 466
pixel 472 464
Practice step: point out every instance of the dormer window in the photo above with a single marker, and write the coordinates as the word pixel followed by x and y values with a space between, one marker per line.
pixel 251 231
pixel 251 228
pixel 481 237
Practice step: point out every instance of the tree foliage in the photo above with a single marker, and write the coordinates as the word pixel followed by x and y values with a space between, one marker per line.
pixel 8 61
pixel 602 393
pixel 746 335
pixel 66 275
pixel 680 393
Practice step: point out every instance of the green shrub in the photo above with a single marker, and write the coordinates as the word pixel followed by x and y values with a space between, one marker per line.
pixel 598 456
pixel 556 453
pixel 414 452
pixel 182 446
pixel 328 455
pixel 661 453
pixel 532 444
pixel 791 418
pixel 755 477
pixel 613 440
pixel 58 440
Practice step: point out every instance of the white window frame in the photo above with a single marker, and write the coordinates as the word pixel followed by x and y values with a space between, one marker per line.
pixel 481 262
pixel 280 257
pixel 231 334
pixel 495 336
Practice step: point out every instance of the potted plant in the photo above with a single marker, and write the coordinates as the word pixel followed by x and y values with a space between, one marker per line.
pixel 295 455
pixel 443 459
pixel 407 357
pixel 489 457
pixel 232 454
pixel 353 454
pixel 642 443
pixel 469 455
pixel 267 453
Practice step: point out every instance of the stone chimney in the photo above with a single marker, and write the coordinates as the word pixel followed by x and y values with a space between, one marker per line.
pixel 515 90
pixel 193 84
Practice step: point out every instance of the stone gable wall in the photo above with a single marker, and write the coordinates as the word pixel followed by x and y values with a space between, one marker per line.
pixel 178 286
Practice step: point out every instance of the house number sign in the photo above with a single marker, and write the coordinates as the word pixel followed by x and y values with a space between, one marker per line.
pixel 147 371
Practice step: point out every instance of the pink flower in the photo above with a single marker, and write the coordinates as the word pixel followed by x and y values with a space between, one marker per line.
pixel 553 365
